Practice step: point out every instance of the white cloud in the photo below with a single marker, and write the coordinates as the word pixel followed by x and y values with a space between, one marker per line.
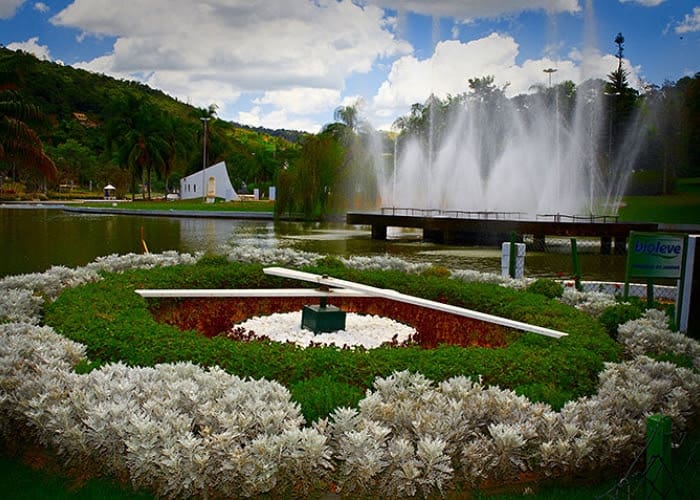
pixel 690 23
pixel 302 101
pixel 645 3
pixel 461 9
pixel 228 47
pixel 32 46
pixel 41 7
pixel 412 81
pixel 9 7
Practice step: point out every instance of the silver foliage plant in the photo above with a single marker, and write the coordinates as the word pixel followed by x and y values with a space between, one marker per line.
pixel 651 335
pixel 181 430
pixel 50 283
pixel 593 303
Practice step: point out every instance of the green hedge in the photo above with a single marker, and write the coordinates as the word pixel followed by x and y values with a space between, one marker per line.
pixel 115 324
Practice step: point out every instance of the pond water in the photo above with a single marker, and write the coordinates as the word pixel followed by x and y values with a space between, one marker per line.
pixel 33 239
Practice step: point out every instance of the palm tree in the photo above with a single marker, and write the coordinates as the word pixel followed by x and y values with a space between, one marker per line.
pixel 177 133
pixel 19 143
pixel 137 134
pixel 347 115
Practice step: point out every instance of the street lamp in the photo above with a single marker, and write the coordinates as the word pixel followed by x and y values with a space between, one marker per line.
pixel 204 119
pixel 549 72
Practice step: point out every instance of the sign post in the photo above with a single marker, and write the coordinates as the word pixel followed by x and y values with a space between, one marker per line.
pixel 689 322
pixel 656 256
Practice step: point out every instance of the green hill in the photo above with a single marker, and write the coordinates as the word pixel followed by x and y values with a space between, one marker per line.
pixel 100 130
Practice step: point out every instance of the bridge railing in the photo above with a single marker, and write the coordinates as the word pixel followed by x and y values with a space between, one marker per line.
pixel 578 218
pixel 494 215
pixel 456 214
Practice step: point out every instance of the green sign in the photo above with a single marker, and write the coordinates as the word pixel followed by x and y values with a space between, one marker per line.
pixel 655 255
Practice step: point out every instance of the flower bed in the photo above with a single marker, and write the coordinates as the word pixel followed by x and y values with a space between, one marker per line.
pixel 214 316
pixel 180 429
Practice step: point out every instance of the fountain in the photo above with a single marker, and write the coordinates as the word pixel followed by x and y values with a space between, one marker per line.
pixel 531 155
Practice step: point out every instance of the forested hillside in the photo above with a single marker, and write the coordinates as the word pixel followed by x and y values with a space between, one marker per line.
pixel 101 130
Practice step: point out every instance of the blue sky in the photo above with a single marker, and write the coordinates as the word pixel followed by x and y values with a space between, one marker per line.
pixel 291 63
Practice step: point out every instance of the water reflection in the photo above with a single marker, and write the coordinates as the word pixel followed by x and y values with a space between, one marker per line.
pixel 32 240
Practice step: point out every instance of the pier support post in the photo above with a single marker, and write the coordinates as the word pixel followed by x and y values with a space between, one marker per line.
pixel 620 244
pixel 605 245
pixel 538 243
pixel 378 232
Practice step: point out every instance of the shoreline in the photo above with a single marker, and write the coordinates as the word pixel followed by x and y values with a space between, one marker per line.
pixel 75 207
pixel 211 214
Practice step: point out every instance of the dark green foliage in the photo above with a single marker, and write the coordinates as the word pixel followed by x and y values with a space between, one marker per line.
pixel 437 272
pixel 42 480
pixel 319 396
pixel 681 360
pixel 115 324
pixel 210 259
pixel 329 263
pixel 101 129
pixel 548 288
pixel 618 314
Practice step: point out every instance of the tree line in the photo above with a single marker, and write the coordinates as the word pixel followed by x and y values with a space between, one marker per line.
pixel 63 125
pixel 91 130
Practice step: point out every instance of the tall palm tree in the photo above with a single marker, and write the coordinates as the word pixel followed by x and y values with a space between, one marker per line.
pixel 19 143
pixel 137 135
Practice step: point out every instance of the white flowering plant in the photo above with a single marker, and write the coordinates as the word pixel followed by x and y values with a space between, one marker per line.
pixel 183 430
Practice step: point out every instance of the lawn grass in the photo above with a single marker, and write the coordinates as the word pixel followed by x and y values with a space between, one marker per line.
pixel 682 207
pixel 219 206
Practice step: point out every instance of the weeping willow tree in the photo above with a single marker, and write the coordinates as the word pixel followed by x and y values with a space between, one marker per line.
pixel 334 172
pixel 307 186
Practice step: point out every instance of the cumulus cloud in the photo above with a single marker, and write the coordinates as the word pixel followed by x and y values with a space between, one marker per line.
pixel 238 46
pixel 41 7
pixel 412 81
pixel 9 7
pixel 33 47
pixel 690 23
pixel 302 100
pixel 286 64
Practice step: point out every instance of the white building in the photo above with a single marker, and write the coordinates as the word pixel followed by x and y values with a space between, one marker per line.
pixel 213 180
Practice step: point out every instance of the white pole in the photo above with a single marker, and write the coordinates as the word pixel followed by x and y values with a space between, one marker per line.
pixel 204 119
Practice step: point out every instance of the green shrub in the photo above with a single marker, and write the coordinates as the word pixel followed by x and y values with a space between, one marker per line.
pixel 329 263
pixel 209 259
pixel 616 315
pixel 319 396
pixel 115 324
pixel 548 288
pixel 437 272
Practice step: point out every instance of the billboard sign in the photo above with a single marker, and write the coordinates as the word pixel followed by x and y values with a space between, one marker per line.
pixel 655 255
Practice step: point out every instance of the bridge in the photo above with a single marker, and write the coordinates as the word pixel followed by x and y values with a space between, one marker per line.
pixel 493 228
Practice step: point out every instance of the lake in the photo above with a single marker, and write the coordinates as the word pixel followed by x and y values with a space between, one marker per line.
pixel 35 238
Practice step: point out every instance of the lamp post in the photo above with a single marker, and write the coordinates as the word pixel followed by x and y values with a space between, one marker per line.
pixel 204 119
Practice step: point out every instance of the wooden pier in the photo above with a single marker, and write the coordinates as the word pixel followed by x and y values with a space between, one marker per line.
pixel 493 228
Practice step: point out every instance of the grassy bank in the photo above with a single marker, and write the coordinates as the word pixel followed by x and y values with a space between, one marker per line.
pixel 219 206
pixel 682 207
